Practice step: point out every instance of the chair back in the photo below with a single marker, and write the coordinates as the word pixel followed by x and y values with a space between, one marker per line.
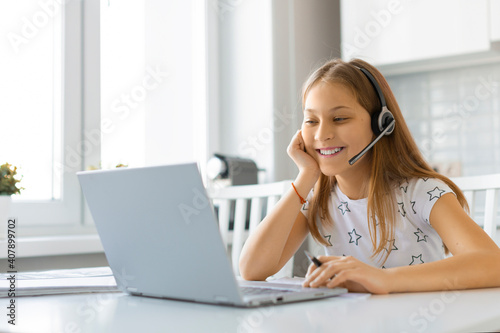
pixel 482 194
pixel 240 209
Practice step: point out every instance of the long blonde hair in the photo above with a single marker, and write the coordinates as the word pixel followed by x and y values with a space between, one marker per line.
pixel 394 159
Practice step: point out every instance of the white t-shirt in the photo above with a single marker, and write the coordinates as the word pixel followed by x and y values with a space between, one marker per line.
pixel 415 240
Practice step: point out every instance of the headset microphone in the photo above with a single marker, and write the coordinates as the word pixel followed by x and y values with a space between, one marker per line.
pixel 382 122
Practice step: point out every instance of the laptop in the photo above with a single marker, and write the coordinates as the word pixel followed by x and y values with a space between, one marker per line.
pixel 161 238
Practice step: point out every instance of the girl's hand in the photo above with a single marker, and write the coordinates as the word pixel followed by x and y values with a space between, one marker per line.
pixel 347 272
pixel 304 161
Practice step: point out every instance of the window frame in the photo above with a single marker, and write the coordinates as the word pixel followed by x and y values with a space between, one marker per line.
pixel 79 87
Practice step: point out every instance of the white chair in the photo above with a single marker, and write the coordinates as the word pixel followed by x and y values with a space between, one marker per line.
pixel 245 206
pixel 482 195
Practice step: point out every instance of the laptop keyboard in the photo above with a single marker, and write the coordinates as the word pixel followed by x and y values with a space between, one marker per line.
pixel 263 291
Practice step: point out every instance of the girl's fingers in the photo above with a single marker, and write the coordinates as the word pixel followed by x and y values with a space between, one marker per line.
pixel 297 142
pixel 310 270
pixel 332 267
pixel 324 276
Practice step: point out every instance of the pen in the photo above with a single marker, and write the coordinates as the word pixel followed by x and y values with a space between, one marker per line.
pixel 313 259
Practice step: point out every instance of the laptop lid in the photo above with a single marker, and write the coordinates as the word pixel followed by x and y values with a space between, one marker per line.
pixel 159 233
pixel 161 238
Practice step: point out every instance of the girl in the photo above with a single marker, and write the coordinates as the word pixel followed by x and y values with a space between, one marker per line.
pixel 385 218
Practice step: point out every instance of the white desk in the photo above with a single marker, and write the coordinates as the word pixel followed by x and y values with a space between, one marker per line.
pixel 455 311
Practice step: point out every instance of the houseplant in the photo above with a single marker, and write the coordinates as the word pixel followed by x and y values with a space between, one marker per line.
pixel 8 181
pixel 8 186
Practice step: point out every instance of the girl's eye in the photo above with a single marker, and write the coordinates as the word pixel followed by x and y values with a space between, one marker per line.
pixel 309 122
pixel 339 119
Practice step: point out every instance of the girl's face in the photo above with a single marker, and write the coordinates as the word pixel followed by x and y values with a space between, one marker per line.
pixel 336 128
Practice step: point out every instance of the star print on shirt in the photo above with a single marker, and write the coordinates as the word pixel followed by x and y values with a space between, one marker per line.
pixel 413 258
pixel 413 207
pixel 435 193
pixel 305 206
pixel 404 186
pixel 328 237
pixel 353 234
pixel 401 209
pixel 343 207
pixel 391 244
pixel 420 236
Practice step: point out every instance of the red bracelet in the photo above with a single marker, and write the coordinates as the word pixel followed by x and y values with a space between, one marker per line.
pixel 302 200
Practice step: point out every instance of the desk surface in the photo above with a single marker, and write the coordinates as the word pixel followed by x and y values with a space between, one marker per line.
pixel 453 311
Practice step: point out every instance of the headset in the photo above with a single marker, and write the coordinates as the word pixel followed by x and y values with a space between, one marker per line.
pixel 382 122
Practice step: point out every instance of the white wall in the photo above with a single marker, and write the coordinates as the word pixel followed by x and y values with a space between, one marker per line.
pixel 266 50
pixel 245 79
pixel 169 106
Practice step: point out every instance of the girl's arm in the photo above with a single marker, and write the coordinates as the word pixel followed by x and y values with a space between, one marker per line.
pixel 475 262
pixel 281 232
pixel 276 238
pixel 476 258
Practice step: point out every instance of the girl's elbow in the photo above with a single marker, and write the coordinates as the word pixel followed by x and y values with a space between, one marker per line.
pixel 248 271
pixel 244 272
pixel 250 275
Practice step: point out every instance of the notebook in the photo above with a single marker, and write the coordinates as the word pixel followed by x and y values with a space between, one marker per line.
pixel 161 238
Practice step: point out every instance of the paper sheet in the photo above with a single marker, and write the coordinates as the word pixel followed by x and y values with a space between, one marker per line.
pixel 81 280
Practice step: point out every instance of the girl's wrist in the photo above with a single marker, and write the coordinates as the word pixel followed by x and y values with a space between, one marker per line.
pixel 308 176
pixel 304 183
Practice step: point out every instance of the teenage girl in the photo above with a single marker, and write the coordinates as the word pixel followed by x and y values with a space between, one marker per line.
pixel 386 220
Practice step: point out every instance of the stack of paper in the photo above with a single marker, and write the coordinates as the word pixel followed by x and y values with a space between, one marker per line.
pixel 81 280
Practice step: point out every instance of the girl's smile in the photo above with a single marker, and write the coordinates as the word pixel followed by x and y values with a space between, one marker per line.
pixel 329 151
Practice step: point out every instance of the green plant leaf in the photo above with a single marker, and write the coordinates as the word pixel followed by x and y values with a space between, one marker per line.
pixel 8 181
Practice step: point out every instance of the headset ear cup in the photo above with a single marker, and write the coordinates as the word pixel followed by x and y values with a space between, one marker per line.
pixel 385 118
pixel 382 119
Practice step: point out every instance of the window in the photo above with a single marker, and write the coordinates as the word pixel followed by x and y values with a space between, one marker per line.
pixel 40 107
